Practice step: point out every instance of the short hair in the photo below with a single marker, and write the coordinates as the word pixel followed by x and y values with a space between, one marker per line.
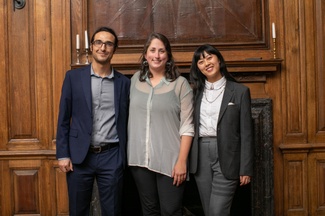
pixel 106 29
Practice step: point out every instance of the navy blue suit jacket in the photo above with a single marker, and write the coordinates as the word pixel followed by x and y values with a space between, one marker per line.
pixel 235 132
pixel 75 119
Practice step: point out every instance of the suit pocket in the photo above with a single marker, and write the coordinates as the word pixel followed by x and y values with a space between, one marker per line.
pixel 231 120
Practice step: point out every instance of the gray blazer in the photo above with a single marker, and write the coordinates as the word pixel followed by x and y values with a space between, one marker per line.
pixel 235 132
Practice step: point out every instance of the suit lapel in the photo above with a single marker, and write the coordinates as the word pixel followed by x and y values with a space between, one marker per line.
pixel 86 85
pixel 197 113
pixel 117 92
pixel 226 98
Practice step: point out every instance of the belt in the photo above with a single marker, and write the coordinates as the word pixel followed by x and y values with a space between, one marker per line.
pixel 207 137
pixel 103 147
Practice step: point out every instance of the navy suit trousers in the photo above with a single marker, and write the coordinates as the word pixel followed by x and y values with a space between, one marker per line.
pixel 107 169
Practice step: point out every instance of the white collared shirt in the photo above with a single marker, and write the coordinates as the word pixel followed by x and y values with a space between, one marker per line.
pixel 210 107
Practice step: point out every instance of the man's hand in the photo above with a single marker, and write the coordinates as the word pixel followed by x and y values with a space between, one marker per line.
pixel 65 165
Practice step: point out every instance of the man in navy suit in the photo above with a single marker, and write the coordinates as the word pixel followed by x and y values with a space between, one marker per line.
pixel 92 128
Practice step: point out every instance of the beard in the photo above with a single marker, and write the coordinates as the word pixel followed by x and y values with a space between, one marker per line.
pixel 102 60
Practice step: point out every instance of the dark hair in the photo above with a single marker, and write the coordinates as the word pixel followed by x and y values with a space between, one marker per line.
pixel 106 29
pixel 197 78
pixel 171 71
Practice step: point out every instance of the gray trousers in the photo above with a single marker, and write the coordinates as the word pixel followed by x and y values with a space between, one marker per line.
pixel 216 192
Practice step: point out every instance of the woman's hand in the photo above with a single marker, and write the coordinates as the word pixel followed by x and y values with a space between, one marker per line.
pixel 180 169
pixel 179 173
pixel 244 180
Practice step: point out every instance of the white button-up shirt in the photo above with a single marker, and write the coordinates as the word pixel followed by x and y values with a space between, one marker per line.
pixel 210 107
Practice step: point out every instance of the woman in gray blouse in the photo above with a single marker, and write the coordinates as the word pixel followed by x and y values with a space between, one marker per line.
pixel 160 129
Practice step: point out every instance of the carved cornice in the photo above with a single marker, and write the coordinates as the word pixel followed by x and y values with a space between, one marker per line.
pixel 251 70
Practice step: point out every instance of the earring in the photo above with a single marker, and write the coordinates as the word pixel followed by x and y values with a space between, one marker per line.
pixel 145 63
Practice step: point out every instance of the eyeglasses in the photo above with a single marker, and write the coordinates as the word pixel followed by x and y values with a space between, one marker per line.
pixel 99 43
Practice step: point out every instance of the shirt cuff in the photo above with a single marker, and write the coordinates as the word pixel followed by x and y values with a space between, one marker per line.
pixel 63 158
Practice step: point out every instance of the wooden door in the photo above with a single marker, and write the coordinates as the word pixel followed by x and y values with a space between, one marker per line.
pixel 34 55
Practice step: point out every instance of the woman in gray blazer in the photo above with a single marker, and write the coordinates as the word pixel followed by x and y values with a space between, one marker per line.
pixel 221 156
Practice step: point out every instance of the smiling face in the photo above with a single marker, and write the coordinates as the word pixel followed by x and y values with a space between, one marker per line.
pixel 103 53
pixel 156 56
pixel 209 65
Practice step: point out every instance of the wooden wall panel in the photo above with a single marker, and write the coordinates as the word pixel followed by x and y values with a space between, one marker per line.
pixel 4 130
pixel 25 187
pixel 28 44
pixel 34 56
pixel 295 188
pixel 60 56
pixel 316 184
pixel 35 51
pixel 304 81
pixel 294 100
pixel 320 70
pixel 42 73
pixel 6 205
pixel 61 192
pixel 22 104
pixel 79 23
pixel 26 193
pixel 37 46
pixel 321 187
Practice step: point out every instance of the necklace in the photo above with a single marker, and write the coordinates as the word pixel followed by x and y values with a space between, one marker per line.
pixel 218 95
pixel 212 87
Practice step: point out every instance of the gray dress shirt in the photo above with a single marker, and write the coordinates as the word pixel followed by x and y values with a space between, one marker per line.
pixel 103 108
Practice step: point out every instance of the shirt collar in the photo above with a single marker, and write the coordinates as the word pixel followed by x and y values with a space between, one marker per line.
pixel 92 73
pixel 216 85
pixel 162 80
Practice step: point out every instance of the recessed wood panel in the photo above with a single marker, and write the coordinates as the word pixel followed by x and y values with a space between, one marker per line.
pixel 26 195
pixel 21 80
pixel 316 184
pixel 295 174
pixel 321 189
pixel 4 77
pixel 30 75
pixel 320 73
pixel 61 189
pixel 61 58
pixel 295 184
pixel 294 99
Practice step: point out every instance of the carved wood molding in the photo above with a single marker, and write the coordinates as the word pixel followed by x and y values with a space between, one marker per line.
pixel 243 70
pixel 34 154
pixel 302 147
